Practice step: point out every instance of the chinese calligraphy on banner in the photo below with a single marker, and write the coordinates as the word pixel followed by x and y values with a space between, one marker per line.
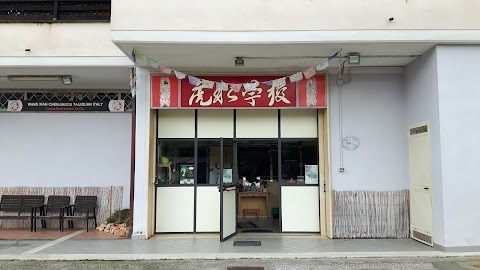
pixel 170 92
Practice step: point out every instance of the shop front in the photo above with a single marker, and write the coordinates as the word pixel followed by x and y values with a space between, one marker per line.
pixel 239 154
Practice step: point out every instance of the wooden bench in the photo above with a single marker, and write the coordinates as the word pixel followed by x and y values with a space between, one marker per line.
pixel 21 204
pixel 255 211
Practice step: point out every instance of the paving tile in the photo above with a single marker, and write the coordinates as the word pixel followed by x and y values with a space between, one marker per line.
pixel 15 247
pixel 51 234
pixel 212 245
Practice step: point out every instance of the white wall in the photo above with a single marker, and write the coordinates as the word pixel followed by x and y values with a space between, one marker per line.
pixel 459 103
pixel 253 15
pixel 373 111
pixel 66 149
pixel 421 84
pixel 57 39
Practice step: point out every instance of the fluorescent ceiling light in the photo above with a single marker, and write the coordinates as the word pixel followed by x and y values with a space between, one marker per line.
pixel 66 79
pixel 33 78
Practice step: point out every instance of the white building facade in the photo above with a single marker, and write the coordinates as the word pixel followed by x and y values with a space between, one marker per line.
pixel 408 107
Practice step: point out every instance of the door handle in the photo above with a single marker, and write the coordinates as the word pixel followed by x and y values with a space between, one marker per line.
pixel 426 188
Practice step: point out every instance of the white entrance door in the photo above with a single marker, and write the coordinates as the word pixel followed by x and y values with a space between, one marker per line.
pixel 421 213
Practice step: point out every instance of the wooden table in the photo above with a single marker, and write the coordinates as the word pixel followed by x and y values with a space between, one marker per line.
pixel 254 200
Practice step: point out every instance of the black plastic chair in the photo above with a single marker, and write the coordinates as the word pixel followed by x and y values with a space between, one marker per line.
pixel 54 209
pixel 84 208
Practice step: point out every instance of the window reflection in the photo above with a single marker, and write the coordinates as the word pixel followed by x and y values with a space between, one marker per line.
pixel 257 162
pixel 175 163
pixel 300 162
pixel 209 161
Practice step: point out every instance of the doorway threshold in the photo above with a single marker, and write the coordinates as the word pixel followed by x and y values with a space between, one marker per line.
pixel 241 235
pixel 279 235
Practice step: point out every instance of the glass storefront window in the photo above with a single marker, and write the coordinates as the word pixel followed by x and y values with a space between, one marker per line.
pixel 209 161
pixel 175 164
pixel 258 161
pixel 300 162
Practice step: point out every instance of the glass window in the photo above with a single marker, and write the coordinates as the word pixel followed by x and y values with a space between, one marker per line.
pixel 209 161
pixel 258 160
pixel 300 162
pixel 175 163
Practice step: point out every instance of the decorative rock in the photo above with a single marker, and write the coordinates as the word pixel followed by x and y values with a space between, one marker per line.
pixel 101 227
pixel 120 230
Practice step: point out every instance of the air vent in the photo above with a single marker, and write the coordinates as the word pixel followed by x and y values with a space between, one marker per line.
pixel 418 130
pixel 422 237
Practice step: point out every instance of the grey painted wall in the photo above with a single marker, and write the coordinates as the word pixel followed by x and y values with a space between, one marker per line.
pixel 65 149
pixel 373 111
pixel 421 84
pixel 459 103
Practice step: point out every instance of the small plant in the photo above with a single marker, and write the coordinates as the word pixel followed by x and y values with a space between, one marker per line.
pixel 119 216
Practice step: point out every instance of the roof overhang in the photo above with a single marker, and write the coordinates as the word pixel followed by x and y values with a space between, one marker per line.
pixel 283 51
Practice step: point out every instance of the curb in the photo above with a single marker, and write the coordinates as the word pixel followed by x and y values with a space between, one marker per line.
pixel 228 256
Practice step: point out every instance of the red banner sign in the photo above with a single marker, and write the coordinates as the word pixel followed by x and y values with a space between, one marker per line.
pixel 237 92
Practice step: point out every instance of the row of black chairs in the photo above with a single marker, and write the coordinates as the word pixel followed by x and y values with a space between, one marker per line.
pixel 59 208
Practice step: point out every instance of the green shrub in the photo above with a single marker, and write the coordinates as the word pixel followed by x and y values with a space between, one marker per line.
pixel 119 216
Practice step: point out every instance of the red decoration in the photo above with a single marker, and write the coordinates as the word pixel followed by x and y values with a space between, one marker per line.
pixel 312 92
pixel 165 96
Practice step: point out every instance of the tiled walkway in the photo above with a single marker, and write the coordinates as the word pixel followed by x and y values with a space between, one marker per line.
pixel 51 234
pixel 208 246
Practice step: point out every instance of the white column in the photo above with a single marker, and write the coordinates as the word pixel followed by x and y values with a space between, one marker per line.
pixel 458 109
pixel 141 154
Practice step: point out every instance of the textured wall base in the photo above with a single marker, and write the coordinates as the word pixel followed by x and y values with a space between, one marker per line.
pixel 371 214
pixel 109 199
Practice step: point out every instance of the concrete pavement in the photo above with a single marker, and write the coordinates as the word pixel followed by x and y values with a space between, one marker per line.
pixel 208 247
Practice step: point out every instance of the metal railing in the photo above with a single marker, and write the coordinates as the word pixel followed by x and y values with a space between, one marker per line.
pixel 49 11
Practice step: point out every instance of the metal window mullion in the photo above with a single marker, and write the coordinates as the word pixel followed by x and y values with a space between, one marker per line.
pixel 195 173
pixel 55 10
pixel 279 177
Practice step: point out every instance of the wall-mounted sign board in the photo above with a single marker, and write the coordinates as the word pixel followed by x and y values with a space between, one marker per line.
pixel 168 92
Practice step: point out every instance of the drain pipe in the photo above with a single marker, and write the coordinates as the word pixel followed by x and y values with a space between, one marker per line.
pixel 340 128
pixel 132 174
pixel 340 110
pixel 132 156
